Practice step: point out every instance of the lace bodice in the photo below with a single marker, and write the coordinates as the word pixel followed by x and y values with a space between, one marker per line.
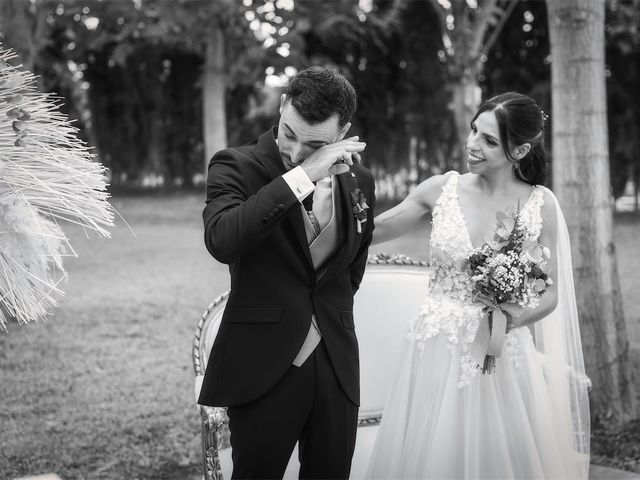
pixel 448 308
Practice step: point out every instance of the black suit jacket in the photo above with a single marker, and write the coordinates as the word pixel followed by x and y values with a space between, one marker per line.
pixel 253 223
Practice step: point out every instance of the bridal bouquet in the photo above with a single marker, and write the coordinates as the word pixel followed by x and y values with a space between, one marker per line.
pixel 47 177
pixel 509 273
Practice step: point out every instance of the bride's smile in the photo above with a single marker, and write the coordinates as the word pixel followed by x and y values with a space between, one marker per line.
pixel 474 159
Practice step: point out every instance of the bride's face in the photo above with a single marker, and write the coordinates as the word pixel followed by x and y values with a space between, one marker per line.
pixel 484 148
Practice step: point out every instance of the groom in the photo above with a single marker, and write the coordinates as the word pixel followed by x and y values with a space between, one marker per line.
pixel 294 229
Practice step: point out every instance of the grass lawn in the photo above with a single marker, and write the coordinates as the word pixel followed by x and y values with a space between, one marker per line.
pixel 104 389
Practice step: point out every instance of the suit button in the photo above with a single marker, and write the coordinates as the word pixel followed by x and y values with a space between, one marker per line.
pixel 281 206
pixel 265 220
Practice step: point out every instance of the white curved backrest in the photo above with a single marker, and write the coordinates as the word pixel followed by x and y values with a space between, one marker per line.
pixel 388 298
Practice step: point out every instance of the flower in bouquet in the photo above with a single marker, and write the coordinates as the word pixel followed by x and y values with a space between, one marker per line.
pixel 509 273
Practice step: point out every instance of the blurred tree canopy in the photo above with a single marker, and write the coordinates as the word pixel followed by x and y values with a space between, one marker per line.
pixel 135 74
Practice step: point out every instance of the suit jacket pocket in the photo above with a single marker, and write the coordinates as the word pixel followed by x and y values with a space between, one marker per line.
pixel 259 314
pixel 347 320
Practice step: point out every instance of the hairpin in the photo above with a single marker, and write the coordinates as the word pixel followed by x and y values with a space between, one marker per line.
pixel 545 117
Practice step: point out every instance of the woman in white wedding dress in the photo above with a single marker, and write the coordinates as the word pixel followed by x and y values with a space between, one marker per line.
pixel 443 417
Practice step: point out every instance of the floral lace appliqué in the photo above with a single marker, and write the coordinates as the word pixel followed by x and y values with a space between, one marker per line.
pixel 448 308
pixel 512 348
pixel 531 213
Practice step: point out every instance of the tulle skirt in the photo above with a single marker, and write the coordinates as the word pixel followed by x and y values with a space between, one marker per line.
pixel 501 426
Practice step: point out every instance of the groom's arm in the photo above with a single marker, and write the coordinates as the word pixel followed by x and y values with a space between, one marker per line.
pixel 360 261
pixel 236 220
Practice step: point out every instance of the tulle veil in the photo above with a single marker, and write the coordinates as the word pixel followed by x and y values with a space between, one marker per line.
pixel 558 342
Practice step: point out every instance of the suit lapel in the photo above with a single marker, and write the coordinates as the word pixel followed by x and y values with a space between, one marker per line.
pixel 346 185
pixel 269 158
pixel 297 223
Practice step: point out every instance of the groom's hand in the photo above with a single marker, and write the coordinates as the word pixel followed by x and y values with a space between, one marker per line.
pixel 334 158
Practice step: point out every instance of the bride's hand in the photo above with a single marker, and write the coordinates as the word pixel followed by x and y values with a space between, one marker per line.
pixel 513 313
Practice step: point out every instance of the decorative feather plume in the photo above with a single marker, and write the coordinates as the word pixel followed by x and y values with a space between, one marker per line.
pixel 47 174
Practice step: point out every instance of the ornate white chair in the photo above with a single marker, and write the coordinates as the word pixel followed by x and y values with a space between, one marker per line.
pixel 389 296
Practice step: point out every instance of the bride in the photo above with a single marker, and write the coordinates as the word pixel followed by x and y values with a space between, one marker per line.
pixel 530 417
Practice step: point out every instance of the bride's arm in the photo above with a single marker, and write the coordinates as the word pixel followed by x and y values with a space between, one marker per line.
pixel 401 219
pixel 548 238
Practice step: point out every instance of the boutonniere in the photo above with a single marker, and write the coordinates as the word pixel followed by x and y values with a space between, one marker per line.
pixel 360 208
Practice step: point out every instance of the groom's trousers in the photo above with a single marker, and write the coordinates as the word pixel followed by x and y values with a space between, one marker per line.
pixel 306 405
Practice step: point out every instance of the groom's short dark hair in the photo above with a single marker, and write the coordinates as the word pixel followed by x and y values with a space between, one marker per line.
pixel 317 93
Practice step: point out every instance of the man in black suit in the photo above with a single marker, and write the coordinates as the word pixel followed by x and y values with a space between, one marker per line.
pixel 285 360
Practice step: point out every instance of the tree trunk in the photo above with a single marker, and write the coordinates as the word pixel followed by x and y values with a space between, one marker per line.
pixel 635 177
pixel 214 118
pixel 581 181
pixel 156 161
pixel 16 26
pixel 24 28
pixel 465 105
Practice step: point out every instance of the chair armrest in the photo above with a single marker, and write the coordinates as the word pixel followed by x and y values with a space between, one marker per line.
pixel 215 429
pixel 215 435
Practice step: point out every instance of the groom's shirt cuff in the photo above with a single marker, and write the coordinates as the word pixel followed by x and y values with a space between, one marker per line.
pixel 299 183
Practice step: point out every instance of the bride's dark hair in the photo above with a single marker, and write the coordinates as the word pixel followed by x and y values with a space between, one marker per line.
pixel 521 120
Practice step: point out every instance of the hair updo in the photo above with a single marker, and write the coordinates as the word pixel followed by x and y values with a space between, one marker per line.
pixel 520 120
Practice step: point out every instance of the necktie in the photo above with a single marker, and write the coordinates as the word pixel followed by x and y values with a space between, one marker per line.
pixel 318 205
pixel 322 208
pixel 308 206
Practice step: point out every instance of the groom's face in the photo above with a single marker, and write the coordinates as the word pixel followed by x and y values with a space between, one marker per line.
pixel 297 138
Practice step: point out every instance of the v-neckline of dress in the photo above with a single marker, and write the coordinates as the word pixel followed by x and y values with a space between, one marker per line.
pixel 464 218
